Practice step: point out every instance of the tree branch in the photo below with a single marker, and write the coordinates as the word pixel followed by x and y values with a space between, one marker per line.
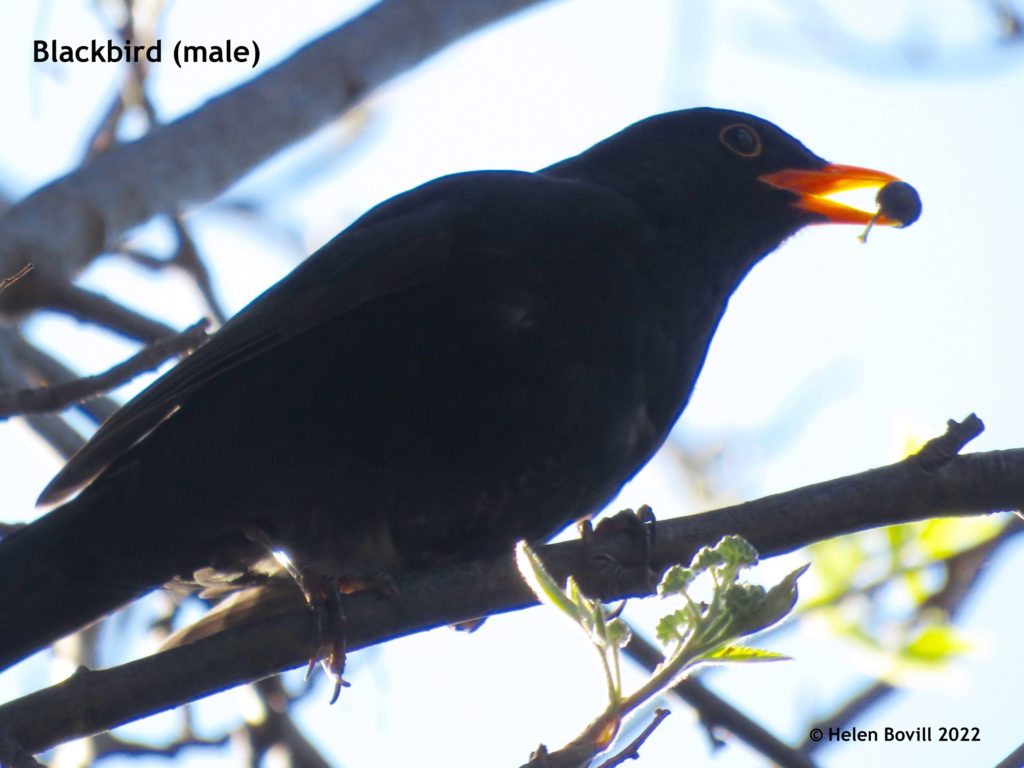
pixel 63 226
pixel 12 755
pixel 52 428
pixel 59 396
pixel 632 750
pixel 91 701
pixel 43 367
pixel 716 712
pixel 6 282
pixel 91 307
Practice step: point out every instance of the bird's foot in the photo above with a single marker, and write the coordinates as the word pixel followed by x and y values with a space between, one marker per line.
pixel 602 574
pixel 323 594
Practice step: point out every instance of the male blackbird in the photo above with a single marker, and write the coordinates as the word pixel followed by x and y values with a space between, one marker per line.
pixel 484 358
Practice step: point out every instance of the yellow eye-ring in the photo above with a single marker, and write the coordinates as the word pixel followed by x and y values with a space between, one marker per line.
pixel 741 139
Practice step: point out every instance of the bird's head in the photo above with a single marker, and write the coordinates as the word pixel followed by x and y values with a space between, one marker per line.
pixel 735 181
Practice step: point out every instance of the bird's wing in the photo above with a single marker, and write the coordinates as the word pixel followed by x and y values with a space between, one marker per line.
pixel 397 245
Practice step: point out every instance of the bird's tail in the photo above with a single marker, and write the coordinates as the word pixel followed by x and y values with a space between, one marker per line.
pixel 73 566
pixel 241 607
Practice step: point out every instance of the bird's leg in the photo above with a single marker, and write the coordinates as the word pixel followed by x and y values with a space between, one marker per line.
pixel 323 595
pixel 601 573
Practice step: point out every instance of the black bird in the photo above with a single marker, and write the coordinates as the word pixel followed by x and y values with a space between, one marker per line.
pixel 484 358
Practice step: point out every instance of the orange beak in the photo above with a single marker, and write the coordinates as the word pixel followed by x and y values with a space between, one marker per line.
pixel 899 204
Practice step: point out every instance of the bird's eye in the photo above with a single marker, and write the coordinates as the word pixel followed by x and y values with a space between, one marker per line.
pixel 741 139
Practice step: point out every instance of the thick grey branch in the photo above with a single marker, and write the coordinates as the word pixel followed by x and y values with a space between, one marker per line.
pixel 62 226
pixel 91 701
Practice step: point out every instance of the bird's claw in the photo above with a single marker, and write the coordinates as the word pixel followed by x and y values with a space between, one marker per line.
pixel 324 598
pixel 602 574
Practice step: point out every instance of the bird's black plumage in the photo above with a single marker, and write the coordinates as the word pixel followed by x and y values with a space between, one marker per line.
pixel 484 358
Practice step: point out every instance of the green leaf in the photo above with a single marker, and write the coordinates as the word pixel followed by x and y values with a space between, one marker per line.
pixel 936 644
pixel 730 653
pixel 676 581
pixel 598 625
pixel 585 607
pixel 618 633
pixel 947 536
pixel 836 563
pixel 543 585
pixel 842 624
pixel 776 603
pixel 670 625
pixel 899 536
pixel 706 558
pixel 744 598
pixel 572 589
pixel 737 551
pixel 917 585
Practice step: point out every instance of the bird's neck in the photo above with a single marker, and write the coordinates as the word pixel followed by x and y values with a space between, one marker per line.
pixel 698 259
pixel 692 283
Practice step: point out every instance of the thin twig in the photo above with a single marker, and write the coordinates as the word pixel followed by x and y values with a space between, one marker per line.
pixel 46 369
pixel 142 258
pixel 187 258
pixel 134 92
pixel 716 712
pixel 278 728
pixel 106 745
pixel 632 750
pixel 60 396
pixel 104 135
pixel 60 435
pixel 964 568
pixel 6 282
pixel 53 429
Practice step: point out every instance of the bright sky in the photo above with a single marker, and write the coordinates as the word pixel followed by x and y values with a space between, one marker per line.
pixel 832 353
